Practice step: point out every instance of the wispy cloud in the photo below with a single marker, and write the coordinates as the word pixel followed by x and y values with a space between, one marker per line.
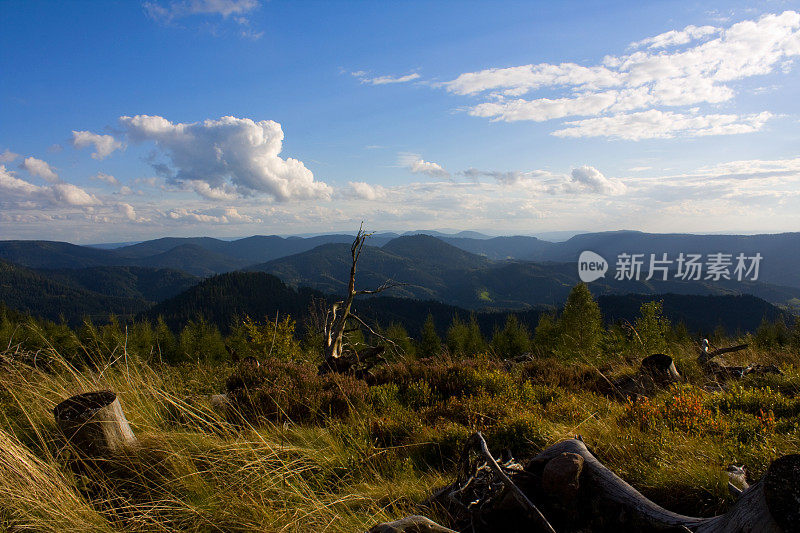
pixel 642 82
pixel 364 77
pixel 654 124
pixel 582 180
pixel 8 156
pixel 228 215
pixel 677 37
pixel 176 9
pixel 235 11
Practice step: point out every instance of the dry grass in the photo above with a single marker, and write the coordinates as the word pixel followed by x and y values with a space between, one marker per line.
pixel 196 471
pixel 193 471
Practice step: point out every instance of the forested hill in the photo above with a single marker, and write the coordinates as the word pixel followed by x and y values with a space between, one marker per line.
pixel 222 299
pixel 45 296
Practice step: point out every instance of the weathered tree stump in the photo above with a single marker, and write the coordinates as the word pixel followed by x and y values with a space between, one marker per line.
pixel 656 371
pixel 660 367
pixel 94 423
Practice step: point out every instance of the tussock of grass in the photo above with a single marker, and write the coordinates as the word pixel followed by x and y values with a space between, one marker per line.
pixel 193 471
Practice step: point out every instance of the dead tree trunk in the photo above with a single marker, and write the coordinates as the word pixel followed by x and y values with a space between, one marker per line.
pixel 336 319
pixel 578 493
pixel 726 371
pixel 769 505
pixel 94 423
pixel 707 355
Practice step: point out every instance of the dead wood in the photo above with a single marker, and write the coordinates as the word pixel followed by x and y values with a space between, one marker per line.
pixel 578 493
pixel 707 355
pixel 336 358
pixel 94 423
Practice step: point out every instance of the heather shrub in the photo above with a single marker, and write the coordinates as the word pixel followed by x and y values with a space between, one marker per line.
pixel 283 391
pixel 523 433
pixel 396 430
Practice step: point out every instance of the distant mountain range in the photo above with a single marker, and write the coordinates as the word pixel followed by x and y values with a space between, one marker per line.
pixel 434 269
pixel 468 271
pixel 205 256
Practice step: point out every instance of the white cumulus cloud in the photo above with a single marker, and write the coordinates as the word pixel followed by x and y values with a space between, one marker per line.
pixel 127 211
pixel 104 145
pixel 17 193
pixel 417 165
pixel 106 178
pixel 590 178
pixel 37 167
pixel 366 191
pixel 227 154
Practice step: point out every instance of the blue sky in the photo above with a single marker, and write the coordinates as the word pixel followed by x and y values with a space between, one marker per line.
pixel 134 120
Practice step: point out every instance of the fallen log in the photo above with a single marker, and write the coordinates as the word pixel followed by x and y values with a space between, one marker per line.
pixel 707 355
pixel 94 423
pixel 578 493
pixel 770 505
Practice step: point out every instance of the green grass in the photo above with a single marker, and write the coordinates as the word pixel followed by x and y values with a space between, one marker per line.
pixel 329 468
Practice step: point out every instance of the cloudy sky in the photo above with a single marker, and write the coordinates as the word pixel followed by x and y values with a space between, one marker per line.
pixel 132 120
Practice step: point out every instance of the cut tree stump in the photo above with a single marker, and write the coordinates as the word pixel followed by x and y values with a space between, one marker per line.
pixel 656 372
pixel 94 423
pixel 661 367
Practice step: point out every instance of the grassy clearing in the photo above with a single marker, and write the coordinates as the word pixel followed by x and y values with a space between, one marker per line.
pixel 310 453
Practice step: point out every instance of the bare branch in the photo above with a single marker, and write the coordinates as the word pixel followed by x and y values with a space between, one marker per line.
pixel 390 341
pixel 533 512
pixel 389 284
